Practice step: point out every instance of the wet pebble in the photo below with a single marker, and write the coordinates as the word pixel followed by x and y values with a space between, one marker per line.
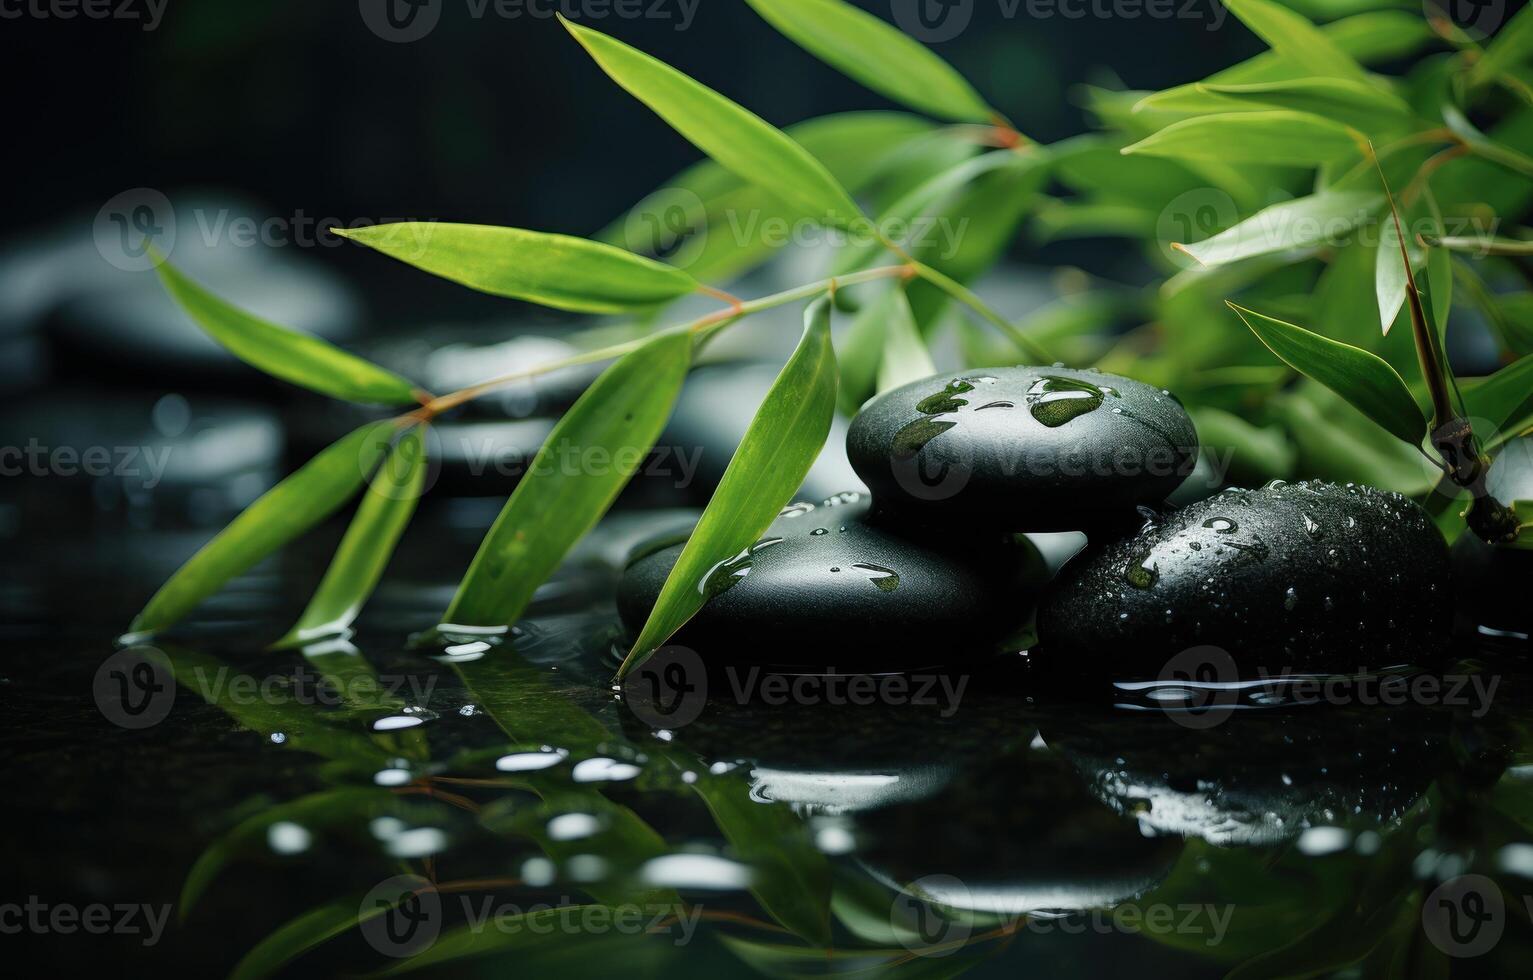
pixel 825 588
pixel 1023 448
pixel 1305 576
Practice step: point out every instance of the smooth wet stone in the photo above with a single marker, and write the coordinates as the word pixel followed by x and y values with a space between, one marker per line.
pixel 825 589
pixel 1491 580
pixel 1260 777
pixel 1023 448
pixel 1020 833
pixel 1305 576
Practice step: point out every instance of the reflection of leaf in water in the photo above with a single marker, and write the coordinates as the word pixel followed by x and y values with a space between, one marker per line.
pixel 353 805
pixel 791 875
pixel 780 960
pixel 540 947
pixel 300 726
pixel 304 933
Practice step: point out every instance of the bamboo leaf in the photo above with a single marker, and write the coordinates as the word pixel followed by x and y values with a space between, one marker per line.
pixel 917 203
pixel 283 513
pixel 905 357
pixel 1303 222
pixel 1280 136
pixel 1511 45
pixel 560 271
pixel 1343 100
pixel 1489 245
pixel 284 353
pixel 1295 39
pixel 737 138
pixel 368 544
pixel 878 55
pixel 1505 398
pixel 781 443
pixel 621 415
pixel 1485 147
pixel 1363 379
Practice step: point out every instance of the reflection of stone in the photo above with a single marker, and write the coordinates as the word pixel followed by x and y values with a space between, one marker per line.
pixel 1017 834
pixel 1261 776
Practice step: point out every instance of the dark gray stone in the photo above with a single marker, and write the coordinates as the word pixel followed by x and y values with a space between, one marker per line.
pixel 1304 576
pixel 1492 580
pixel 1023 448
pixel 826 589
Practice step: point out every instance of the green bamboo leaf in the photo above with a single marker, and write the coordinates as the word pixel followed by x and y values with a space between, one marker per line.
pixel 552 270
pixel 368 544
pixel 308 932
pixel 737 138
pixel 1345 100
pixel 1376 36
pixel 284 512
pixel 1280 136
pixel 781 443
pixel 1505 398
pixel 1363 379
pixel 878 55
pixel 907 212
pixel 860 352
pixel 1488 245
pixel 621 414
pixel 1511 46
pixel 284 353
pixel 1439 276
pixel 905 357
pixel 1295 39
pixel 1390 279
pixel 1303 222
pixel 1484 147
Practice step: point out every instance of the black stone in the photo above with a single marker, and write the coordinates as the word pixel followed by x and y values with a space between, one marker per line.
pixel 1023 448
pixel 1305 576
pixel 1492 580
pixel 825 589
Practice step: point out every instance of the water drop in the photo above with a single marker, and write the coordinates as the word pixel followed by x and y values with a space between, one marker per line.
pixel 1222 525
pixel 1055 400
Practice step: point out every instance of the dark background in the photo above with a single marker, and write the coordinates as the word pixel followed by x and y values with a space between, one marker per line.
pixel 297 105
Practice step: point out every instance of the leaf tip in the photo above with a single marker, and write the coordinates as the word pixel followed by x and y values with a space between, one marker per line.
pixel 1187 251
